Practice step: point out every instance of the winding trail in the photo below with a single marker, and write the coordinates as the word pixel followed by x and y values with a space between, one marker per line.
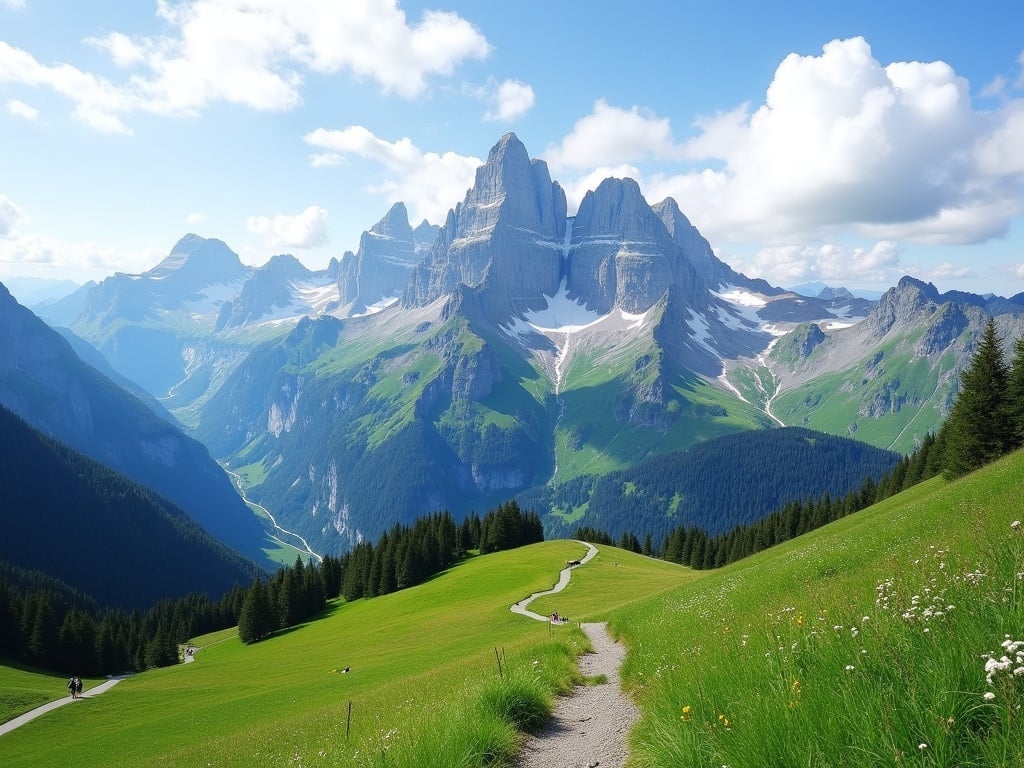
pixel 241 492
pixel 588 727
pixel 20 720
pixel 563 582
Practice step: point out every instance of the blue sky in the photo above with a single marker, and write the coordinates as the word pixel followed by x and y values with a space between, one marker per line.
pixel 807 141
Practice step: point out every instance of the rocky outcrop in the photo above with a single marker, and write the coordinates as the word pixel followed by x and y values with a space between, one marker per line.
pixel 387 253
pixel 903 305
pixel 505 237
pixel 620 251
pixel 270 288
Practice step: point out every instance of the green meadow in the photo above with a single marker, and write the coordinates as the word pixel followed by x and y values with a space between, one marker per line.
pixel 886 638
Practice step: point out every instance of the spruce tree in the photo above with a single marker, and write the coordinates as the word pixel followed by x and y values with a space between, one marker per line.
pixel 979 428
pixel 1015 393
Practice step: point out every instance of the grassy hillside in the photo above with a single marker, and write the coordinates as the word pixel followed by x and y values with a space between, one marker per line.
pixel 420 662
pixel 862 643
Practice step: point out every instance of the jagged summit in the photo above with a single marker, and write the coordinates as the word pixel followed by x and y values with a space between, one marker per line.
pixel 505 238
pixel 198 258
pixel 394 224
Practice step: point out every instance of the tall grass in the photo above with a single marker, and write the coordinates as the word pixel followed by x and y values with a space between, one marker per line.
pixel 865 644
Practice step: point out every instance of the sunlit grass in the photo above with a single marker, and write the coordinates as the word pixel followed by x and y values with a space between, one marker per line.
pixel 860 644
pixel 419 661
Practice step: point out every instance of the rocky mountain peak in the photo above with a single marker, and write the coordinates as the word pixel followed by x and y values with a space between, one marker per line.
pixel 199 260
pixel 902 305
pixel 395 224
pixel 508 232
pixel 617 207
pixel 285 266
pixel 425 235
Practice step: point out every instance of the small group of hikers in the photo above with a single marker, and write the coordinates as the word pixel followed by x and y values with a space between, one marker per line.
pixel 75 686
pixel 557 619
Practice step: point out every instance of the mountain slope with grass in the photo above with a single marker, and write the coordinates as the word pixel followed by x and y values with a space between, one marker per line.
pixel 876 640
pixel 839 647
pixel 59 510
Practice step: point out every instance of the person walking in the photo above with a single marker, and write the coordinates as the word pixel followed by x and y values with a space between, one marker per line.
pixel 73 687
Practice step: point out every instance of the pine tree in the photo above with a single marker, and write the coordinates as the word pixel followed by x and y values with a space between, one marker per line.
pixel 979 428
pixel 258 617
pixel 1015 393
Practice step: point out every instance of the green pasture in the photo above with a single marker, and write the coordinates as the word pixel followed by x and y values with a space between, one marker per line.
pixel 863 643
pixel 860 644
pixel 420 659
pixel 23 688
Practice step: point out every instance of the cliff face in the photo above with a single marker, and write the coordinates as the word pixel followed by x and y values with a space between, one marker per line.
pixel 505 238
pixel 387 254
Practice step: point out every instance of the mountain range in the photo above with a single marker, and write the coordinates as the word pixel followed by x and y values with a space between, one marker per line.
pixel 513 348
pixel 45 383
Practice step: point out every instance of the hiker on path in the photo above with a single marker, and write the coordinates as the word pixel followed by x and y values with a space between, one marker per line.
pixel 78 687
pixel 73 687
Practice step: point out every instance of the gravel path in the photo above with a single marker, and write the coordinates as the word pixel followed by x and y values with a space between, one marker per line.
pixel 20 720
pixel 589 727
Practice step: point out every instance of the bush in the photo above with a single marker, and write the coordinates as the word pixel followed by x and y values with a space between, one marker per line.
pixel 519 698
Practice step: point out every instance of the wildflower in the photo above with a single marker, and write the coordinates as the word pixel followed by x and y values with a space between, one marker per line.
pixel 1015 524
pixel 850 667
pixel 988 696
pixel 687 714
pixel 922 745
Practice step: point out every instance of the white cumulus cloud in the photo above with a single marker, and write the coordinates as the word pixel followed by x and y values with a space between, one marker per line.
pixel 829 262
pixel 307 229
pixel 611 136
pixel 843 145
pixel 11 217
pixel 843 141
pixel 511 100
pixel 255 54
pixel 427 182
pixel 20 109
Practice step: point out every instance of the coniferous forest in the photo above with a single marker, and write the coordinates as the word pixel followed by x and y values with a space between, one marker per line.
pixel 48 624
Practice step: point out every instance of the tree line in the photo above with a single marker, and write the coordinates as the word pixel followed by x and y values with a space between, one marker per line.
pixel 48 624
pixel 985 423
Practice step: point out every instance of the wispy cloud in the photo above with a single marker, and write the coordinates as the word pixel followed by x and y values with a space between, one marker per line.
pixel 307 229
pixel 427 182
pixel 256 55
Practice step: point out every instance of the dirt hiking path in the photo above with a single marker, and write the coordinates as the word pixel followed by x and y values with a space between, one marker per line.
pixel 589 727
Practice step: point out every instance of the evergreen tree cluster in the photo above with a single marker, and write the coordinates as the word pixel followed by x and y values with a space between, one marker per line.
pixel 695 547
pixel 46 624
pixel 409 555
pixel 987 419
pixel 721 483
pixel 291 596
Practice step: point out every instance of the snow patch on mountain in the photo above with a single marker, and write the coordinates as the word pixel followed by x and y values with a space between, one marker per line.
pixel 567 316
pixel 377 306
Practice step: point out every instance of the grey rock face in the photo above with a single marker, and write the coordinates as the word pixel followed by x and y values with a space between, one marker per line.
pixel 505 237
pixel 621 251
pixel 902 305
pixel 386 256
pixel 269 287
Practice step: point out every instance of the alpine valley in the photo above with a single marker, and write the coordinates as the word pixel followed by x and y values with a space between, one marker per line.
pixel 516 351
